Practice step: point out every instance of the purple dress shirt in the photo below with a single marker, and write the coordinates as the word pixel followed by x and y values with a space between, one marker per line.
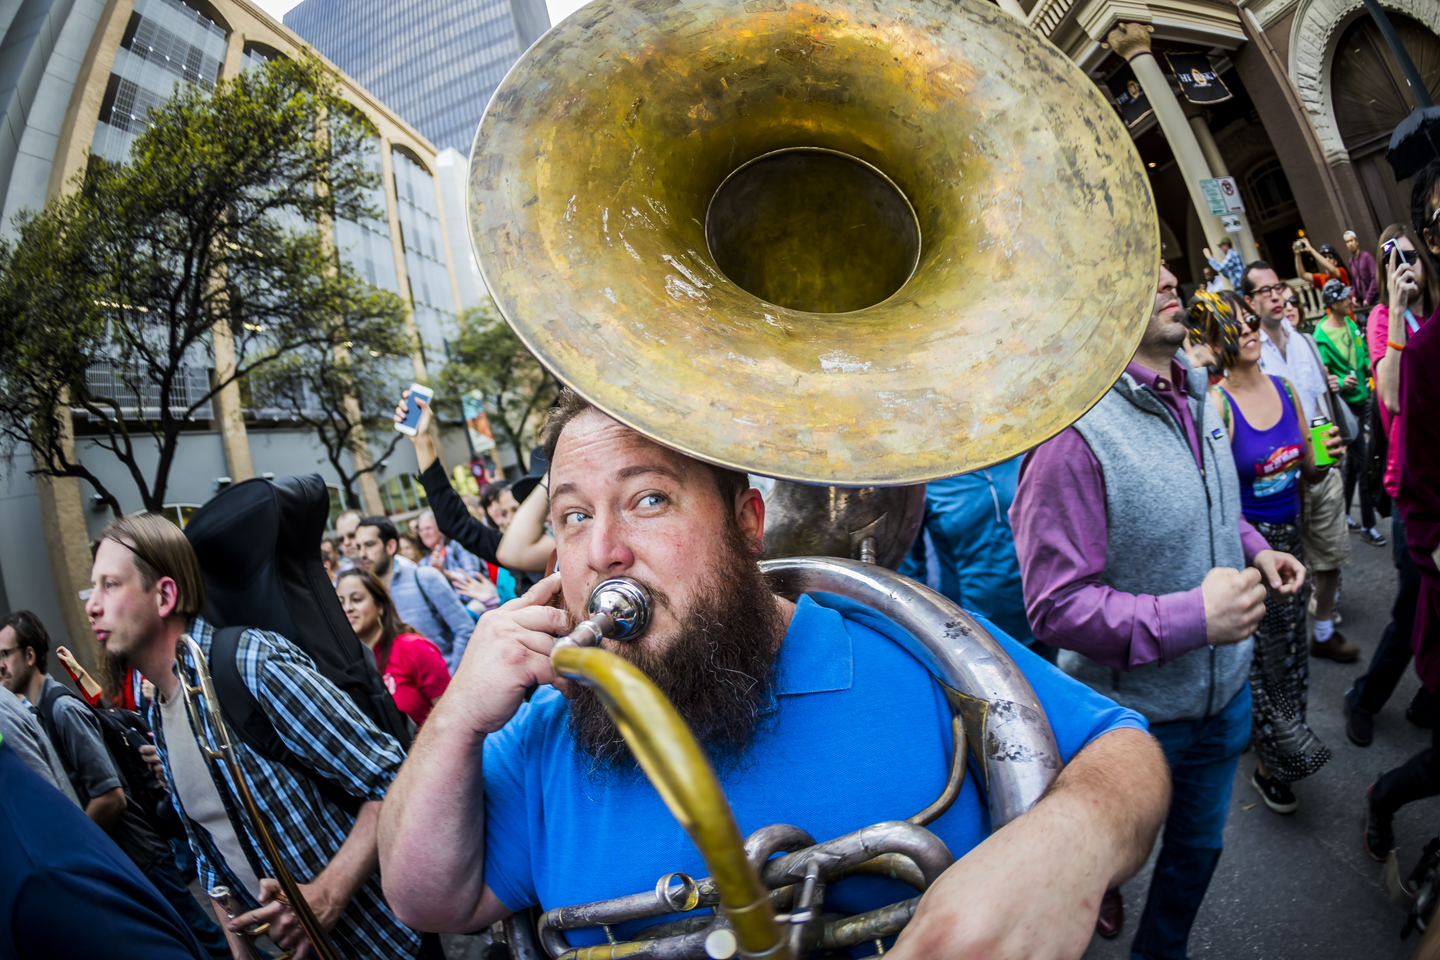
pixel 1061 537
pixel 1362 273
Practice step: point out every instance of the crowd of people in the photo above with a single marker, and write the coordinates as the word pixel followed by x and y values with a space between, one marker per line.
pixel 1162 572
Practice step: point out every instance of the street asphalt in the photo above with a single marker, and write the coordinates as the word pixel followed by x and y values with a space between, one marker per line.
pixel 1300 885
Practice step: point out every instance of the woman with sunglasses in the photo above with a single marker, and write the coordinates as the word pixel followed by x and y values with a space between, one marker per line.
pixel 1272 449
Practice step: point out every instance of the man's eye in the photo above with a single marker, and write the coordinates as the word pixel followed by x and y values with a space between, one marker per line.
pixel 651 500
pixel 574 516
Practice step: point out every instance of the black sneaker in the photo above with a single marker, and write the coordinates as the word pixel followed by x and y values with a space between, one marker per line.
pixel 1373 537
pixel 1377 834
pixel 1359 723
pixel 1275 793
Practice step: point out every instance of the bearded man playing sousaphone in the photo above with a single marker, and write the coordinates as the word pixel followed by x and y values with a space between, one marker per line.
pixel 810 718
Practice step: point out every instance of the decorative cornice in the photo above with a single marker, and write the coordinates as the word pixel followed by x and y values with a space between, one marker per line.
pixel 1129 39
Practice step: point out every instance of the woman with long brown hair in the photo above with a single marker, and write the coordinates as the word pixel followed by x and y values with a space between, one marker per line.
pixel 413 668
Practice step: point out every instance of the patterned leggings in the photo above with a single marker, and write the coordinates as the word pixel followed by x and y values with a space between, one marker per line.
pixel 1280 675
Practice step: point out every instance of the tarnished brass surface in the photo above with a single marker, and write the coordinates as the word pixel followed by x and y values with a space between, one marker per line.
pixel 802 520
pixel 594 169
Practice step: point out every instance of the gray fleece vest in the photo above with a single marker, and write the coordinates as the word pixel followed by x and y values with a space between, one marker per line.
pixel 1168 527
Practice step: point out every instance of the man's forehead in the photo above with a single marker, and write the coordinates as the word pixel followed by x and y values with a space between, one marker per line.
pixel 113 556
pixel 593 432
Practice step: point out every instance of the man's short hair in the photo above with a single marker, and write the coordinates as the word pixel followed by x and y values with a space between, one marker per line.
pixel 30 634
pixel 158 549
pixel 569 405
pixel 1226 243
pixel 383 526
pixel 352 512
pixel 1247 286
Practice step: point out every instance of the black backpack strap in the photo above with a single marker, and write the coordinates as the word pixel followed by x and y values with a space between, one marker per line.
pixel 248 721
pixel 46 710
pixel 434 610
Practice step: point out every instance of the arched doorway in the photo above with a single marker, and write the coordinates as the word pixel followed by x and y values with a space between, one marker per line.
pixel 1370 97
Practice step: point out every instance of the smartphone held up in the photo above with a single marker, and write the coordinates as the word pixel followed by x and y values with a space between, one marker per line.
pixel 411 424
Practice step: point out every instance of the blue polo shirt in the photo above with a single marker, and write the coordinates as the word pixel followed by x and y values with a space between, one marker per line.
pixel 859 732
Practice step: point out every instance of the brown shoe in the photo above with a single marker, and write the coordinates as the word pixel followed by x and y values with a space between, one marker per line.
pixel 1336 648
pixel 1112 915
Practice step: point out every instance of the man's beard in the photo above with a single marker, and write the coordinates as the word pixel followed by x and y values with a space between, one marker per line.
pixel 718 672
pixel 114 671
pixel 382 566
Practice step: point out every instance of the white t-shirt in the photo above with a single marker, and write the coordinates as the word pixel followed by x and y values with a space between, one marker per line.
pixel 197 794
pixel 1300 366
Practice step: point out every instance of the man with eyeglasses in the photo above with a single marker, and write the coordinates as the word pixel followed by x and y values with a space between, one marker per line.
pixel 1284 352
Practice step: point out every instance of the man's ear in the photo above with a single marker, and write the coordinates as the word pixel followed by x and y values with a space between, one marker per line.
pixel 750 513
pixel 167 596
pixel 391 546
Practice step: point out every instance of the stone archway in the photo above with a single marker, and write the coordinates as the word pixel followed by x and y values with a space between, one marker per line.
pixel 1313 35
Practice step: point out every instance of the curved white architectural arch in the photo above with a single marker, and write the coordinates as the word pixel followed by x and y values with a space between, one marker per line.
pixel 1313 36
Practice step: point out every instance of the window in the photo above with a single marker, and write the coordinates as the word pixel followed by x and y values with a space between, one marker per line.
pixel 166 42
pixel 1268 192
pixel 179 513
pixel 403 493
pixel 338 504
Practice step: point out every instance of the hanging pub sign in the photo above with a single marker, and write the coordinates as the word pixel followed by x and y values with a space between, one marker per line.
pixel 1134 105
pixel 1197 77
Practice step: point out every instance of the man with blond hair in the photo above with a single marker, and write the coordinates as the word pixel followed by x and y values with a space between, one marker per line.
pixel 321 804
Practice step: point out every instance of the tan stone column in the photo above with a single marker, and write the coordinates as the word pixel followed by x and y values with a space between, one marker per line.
pixel 62 522
pixel 233 436
pixel 1211 150
pixel 1013 8
pixel 392 209
pixel 1132 41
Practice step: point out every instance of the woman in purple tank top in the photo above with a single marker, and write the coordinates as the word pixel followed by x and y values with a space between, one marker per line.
pixel 1271 445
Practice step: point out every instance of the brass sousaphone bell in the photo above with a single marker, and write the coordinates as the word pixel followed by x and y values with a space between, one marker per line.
pixel 844 243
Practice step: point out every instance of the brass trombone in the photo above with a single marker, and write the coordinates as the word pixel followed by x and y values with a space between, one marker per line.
pixel 224 751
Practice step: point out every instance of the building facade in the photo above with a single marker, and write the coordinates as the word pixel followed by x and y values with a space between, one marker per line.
pixel 435 62
pixel 1315 92
pixel 82 74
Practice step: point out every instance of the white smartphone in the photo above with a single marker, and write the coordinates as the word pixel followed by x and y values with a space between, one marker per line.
pixel 411 423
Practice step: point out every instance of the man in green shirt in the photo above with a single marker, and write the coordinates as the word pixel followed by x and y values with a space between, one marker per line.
pixel 1342 351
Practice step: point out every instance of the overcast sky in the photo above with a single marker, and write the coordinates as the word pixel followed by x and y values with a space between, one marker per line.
pixel 559 9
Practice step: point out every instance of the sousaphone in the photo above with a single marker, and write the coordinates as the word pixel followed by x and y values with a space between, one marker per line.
pixel 854 245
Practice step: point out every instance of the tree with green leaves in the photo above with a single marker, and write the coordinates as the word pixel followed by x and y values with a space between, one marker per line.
pixel 345 392
pixel 489 357
pixel 111 296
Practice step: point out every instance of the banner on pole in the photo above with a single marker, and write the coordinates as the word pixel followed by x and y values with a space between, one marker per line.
pixel 1197 77
pixel 1134 105
pixel 477 424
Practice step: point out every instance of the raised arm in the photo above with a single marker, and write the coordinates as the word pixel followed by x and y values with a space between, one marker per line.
pixel 526 546
pixel 450 514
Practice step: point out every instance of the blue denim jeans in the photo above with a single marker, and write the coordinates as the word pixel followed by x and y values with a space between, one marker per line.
pixel 1203 755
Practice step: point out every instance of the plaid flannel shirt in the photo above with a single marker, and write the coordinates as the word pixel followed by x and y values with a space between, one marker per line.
pixel 1232 267
pixel 336 741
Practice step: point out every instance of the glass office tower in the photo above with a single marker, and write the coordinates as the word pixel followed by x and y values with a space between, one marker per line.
pixel 434 62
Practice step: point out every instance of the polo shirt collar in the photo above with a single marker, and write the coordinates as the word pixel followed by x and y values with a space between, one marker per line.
pixel 817 655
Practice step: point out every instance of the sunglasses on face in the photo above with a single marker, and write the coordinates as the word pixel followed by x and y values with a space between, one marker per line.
pixel 1292 302
pixel 1251 322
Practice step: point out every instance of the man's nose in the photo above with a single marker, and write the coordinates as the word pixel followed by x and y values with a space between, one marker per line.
pixel 608 550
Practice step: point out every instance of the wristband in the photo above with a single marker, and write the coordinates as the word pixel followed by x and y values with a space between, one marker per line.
pixel 1395 346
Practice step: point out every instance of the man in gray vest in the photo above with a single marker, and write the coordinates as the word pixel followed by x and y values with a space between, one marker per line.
pixel 1137 563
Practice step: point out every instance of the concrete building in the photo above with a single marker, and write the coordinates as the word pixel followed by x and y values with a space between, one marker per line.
pixel 435 62
pixel 1316 94
pixel 77 76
